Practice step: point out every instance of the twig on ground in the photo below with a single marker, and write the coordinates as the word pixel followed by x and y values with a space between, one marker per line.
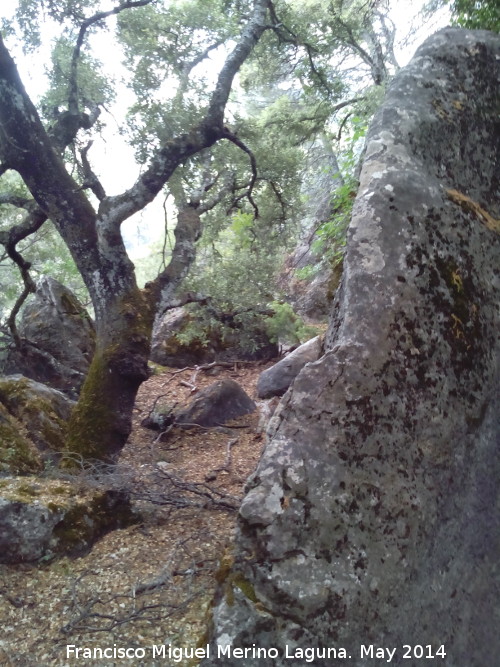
pixel 227 463
pixel 206 367
pixel 171 490
pixel 189 385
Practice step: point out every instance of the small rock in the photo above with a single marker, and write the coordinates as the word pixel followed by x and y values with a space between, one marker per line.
pixel 217 404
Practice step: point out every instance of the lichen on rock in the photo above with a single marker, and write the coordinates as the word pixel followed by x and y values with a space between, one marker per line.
pixel 58 339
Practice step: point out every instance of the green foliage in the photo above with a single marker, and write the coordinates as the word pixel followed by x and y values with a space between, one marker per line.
pixel 47 254
pixel 164 46
pixel 330 236
pixel 475 14
pixel 287 95
pixel 236 268
pixel 30 15
pixel 241 227
pixel 93 87
pixel 286 326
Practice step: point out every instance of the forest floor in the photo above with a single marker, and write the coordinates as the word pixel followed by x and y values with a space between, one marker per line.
pixel 151 583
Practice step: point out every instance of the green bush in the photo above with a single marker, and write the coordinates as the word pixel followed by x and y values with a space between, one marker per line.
pixel 286 326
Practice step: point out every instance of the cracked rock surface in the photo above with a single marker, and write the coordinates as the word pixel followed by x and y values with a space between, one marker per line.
pixel 373 515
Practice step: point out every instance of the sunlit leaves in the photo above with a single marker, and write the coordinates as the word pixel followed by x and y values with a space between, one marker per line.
pixel 93 87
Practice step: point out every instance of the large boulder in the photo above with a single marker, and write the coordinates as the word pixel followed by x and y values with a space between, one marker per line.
pixel 181 339
pixel 34 422
pixel 168 347
pixel 43 517
pixel 274 381
pixel 18 453
pixel 373 518
pixel 58 339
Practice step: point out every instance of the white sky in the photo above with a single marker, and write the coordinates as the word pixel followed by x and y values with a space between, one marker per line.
pixel 118 168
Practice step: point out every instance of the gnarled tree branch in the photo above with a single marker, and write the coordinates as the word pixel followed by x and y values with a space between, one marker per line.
pixel 209 130
pixel 230 136
pixel 90 179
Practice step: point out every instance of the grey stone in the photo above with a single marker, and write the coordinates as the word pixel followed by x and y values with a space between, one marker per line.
pixel 44 518
pixel 42 411
pixel 223 342
pixel 373 517
pixel 217 404
pixel 168 350
pixel 58 339
pixel 274 381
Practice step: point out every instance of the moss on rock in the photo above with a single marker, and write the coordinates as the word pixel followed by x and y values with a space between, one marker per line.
pixel 46 518
pixel 18 455
pixel 37 407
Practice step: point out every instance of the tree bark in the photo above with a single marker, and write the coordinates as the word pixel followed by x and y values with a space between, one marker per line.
pixel 101 421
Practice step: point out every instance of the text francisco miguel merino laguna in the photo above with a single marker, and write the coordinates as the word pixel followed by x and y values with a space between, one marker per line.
pixel 177 653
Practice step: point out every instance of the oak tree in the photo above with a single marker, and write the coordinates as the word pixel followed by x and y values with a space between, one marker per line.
pixel 188 136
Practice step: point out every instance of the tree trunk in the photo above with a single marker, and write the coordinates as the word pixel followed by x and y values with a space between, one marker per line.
pixel 102 419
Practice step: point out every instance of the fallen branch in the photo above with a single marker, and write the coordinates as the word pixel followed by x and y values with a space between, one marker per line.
pixel 91 613
pixel 175 492
pixel 227 463
pixel 190 386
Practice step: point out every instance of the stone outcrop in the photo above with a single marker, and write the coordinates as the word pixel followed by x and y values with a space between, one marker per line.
pixel 168 350
pixel 45 518
pixel 311 296
pixel 58 339
pixel 373 517
pixel 217 404
pixel 274 381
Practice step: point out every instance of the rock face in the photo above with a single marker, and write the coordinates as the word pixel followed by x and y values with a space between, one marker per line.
pixel 41 517
pixel 167 350
pixel 217 404
pixel 311 296
pixel 59 339
pixel 275 381
pixel 373 517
